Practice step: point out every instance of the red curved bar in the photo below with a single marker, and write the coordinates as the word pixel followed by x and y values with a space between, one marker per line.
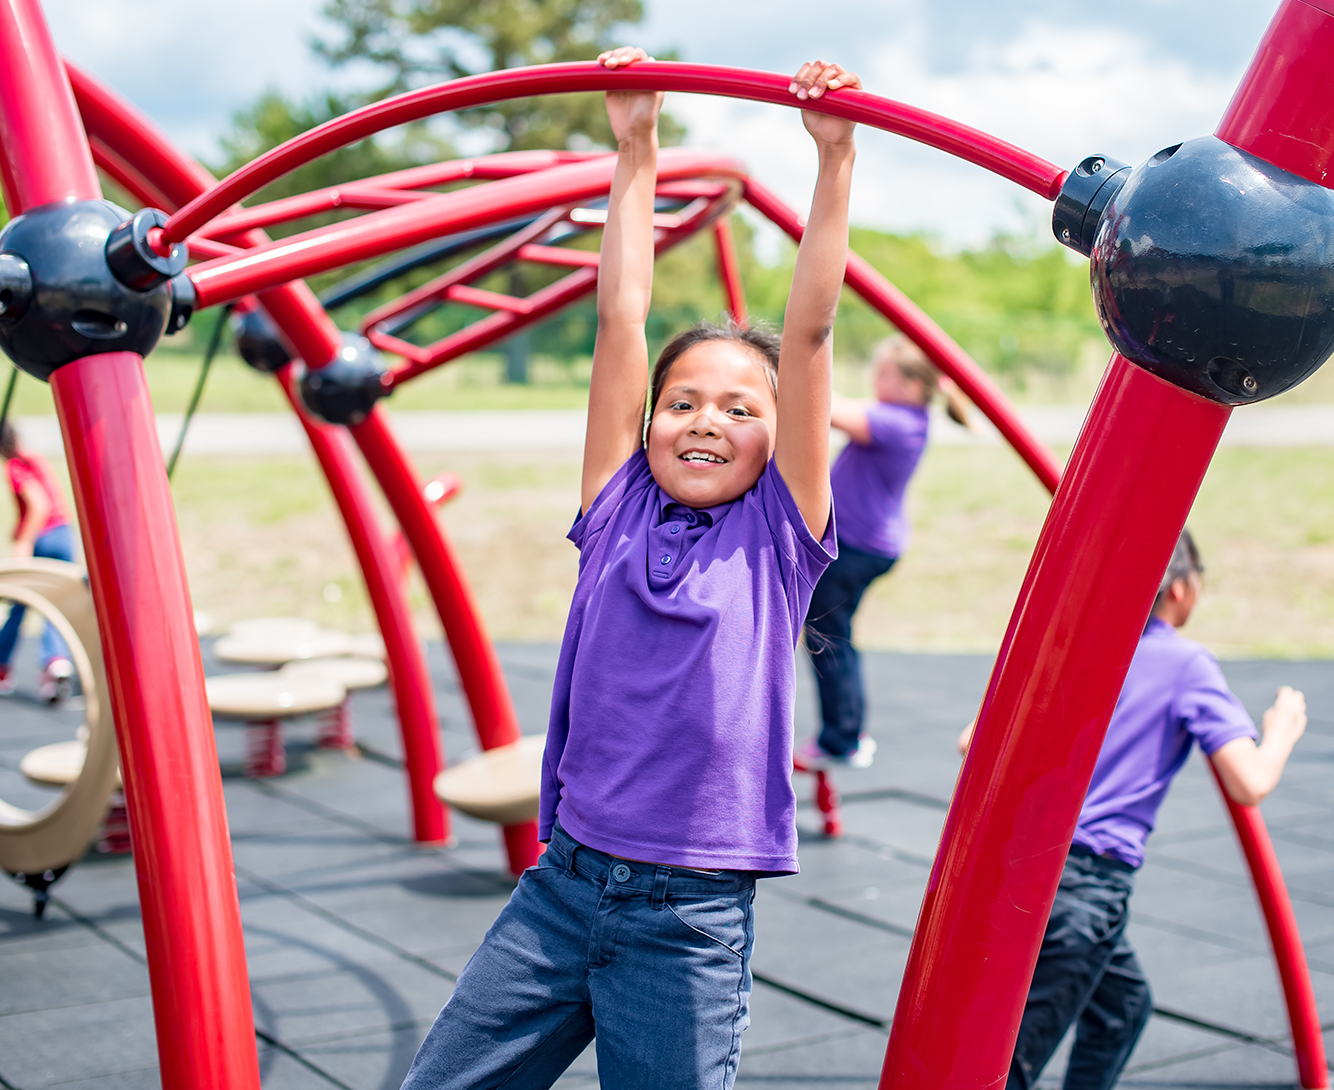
pixel 173 790
pixel 478 668
pixel 422 755
pixel 976 384
pixel 375 233
pixel 1295 976
pixel 729 273
pixel 1112 526
pixel 137 144
pixel 986 151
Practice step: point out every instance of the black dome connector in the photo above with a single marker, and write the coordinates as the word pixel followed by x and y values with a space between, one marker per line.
pixel 1215 271
pixel 133 260
pixel 346 388
pixel 61 300
pixel 184 299
pixel 1084 194
pixel 259 343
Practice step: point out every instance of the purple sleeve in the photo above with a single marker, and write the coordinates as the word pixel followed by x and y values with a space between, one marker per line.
pixel 1205 706
pixel 589 525
pixel 893 428
pixel 793 537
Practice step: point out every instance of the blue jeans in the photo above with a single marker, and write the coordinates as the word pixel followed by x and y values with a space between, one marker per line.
pixel 56 544
pixel 1087 972
pixel 653 962
pixel 838 667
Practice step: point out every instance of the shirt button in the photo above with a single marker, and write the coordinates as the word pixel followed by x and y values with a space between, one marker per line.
pixel 665 559
pixel 620 872
pixel 676 528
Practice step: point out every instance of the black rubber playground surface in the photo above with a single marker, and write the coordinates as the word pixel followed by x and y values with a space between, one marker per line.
pixel 354 936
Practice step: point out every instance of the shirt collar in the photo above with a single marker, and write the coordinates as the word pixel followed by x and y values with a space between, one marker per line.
pixel 705 516
pixel 1156 624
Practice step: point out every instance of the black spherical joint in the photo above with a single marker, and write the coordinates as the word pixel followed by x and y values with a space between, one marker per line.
pixel 1215 271
pixel 134 262
pixel 259 343
pixel 345 390
pixel 1084 194
pixel 75 306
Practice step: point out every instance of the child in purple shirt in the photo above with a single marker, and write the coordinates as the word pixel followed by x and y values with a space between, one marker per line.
pixel 1174 696
pixel 667 777
pixel 870 476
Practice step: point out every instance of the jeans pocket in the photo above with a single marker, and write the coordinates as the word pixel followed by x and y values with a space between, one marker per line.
pixel 724 920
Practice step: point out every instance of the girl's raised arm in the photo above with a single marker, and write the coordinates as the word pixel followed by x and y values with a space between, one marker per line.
pixel 805 362
pixel 619 383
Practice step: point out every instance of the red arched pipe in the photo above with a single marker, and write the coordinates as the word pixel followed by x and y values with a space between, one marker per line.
pixel 173 791
pixel 986 151
pixel 905 315
pixel 375 233
pixel 1294 974
pixel 146 155
pixel 729 272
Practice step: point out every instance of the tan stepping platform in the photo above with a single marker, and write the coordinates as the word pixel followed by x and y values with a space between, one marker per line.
pixel 352 671
pixel 271 695
pixel 273 628
pixel 367 645
pixel 33 841
pixel 56 765
pixel 260 649
pixel 500 785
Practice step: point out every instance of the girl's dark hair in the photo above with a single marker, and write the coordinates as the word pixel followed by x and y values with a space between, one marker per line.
pixel 758 338
pixel 1185 561
pixel 9 441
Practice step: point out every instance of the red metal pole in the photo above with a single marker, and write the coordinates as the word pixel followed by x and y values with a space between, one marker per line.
pixel 729 272
pixel 1113 523
pixel 1295 976
pixel 169 762
pixel 173 791
pixel 479 669
pixel 408 674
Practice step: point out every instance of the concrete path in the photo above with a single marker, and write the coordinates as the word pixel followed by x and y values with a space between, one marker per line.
pixel 427 432
pixel 354 936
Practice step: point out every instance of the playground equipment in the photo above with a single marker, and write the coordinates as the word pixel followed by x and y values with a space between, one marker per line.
pixel 1142 452
pixel 37 846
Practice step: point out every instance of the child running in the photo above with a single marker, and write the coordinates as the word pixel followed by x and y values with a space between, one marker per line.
pixel 667 778
pixel 42 529
pixel 1087 974
pixel 885 442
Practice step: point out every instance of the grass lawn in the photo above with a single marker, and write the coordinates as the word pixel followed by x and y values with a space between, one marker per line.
pixel 261 537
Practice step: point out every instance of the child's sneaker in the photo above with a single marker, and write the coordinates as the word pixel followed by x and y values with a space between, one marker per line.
pixel 7 682
pixel 57 684
pixel 812 757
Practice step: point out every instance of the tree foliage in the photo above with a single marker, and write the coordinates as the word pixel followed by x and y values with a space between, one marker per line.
pixel 415 42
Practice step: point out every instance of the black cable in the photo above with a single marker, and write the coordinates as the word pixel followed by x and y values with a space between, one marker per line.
pixel 213 343
pixel 9 396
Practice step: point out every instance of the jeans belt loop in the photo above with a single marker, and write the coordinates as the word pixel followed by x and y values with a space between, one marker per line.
pixel 570 870
pixel 659 899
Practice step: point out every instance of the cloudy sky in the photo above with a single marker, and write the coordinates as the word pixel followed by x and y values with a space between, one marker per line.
pixel 1063 78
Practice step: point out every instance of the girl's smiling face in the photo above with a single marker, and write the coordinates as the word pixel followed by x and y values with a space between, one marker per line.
pixel 712 432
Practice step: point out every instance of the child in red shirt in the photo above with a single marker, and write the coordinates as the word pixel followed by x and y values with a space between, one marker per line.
pixel 42 529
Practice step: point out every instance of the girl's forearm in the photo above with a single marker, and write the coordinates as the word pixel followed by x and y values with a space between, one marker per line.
pixel 625 272
pixel 822 257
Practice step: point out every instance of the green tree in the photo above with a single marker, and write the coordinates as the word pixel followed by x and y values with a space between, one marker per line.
pixel 414 42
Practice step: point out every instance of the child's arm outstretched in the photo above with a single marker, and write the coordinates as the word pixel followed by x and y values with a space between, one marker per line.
pixel 1249 771
pixel 619 383
pixel 805 367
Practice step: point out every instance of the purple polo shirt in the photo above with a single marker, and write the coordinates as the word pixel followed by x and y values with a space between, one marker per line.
pixel 869 479
pixel 1174 695
pixel 671 721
